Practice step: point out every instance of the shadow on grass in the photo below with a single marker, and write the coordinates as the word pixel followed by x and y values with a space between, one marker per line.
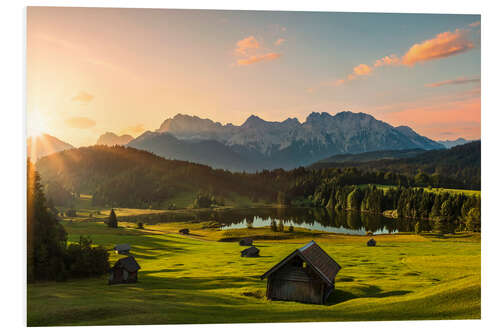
pixel 371 291
pixel 194 283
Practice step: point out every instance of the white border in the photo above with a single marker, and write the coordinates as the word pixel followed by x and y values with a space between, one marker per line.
pixel 13 167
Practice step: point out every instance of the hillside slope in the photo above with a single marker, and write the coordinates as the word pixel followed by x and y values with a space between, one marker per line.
pixel 136 178
pixel 460 162
pixel 44 145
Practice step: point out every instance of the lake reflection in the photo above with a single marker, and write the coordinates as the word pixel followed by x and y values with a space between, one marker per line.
pixel 345 222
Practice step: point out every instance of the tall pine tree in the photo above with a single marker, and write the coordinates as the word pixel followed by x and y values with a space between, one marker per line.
pixel 112 220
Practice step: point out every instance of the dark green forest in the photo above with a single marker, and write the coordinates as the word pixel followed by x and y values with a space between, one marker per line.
pixel 127 177
pixel 458 167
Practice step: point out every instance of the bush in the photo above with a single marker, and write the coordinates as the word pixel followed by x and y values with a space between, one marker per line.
pixel 84 260
pixel 203 200
pixel 274 226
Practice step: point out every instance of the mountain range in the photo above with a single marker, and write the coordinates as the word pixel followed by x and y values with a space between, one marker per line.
pixel 42 145
pixel 453 143
pixel 111 139
pixel 258 144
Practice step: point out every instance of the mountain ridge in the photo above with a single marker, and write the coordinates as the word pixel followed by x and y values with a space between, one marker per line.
pixel 111 139
pixel 280 144
pixel 45 144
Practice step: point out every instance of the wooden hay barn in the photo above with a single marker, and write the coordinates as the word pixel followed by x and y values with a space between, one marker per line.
pixel 122 248
pixel 246 242
pixel 371 242
pixel 184 231
pixel 124 271
pixel 250 252
pixel 306 275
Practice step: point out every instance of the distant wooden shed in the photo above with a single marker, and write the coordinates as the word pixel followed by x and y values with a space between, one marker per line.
pixel 184 231
pixel 306 275
pixel 250 252
pixel 124 271
pixel 122 248
pixel 246 242
pixel 371 242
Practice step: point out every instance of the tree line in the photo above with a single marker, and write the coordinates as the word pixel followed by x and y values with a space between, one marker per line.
pixel 127 177
pixel 50 257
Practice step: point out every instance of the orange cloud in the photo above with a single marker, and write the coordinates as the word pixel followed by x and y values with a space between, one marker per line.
pixel 443 45
pixel 258 58
pixel 359 70
pixel 80 122
pixel 245 44
pixel 339 82
pixel 460 80
pixel 83 97
pixel 279 41
pixel 362 69
pixel 475 24
pixel 387 61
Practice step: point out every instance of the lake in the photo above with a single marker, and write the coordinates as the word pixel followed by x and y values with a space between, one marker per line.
pixel 345 222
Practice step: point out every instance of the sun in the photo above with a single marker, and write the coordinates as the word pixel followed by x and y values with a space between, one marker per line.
pixel 37 124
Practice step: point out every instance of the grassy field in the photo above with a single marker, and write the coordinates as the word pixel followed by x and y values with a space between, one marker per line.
pixel 197 279
pixel 435 190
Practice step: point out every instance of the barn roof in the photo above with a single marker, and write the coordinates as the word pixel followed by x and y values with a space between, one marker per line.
pixel 122 247
pixel 316 257
pixel 252 249
pixel 128 263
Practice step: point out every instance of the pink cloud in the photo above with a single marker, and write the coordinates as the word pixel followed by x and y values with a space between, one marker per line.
pixel 460 80
pixel 258 58
pixel 475 24
pixel 443 45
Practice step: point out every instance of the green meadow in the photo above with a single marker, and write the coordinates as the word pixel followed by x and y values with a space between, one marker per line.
pixel 200 279
pixel 437 190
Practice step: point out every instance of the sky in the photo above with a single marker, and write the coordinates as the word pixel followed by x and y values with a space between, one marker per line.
pixel 94 70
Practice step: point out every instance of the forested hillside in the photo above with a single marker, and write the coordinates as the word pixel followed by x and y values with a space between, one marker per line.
pixel 458 167
pixel 134 178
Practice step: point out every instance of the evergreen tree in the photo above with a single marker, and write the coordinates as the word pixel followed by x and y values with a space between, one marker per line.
pixel 112 220
pixel 274 226
pixel 281 226
pixel 46 237
pixel 473 220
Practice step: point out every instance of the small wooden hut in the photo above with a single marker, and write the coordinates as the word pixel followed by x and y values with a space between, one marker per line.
pixel 122 248
pixel 306 275
pixel 246 242
pixel 124 271
pixel 371 242
pixel 184 231
pixel 250 252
